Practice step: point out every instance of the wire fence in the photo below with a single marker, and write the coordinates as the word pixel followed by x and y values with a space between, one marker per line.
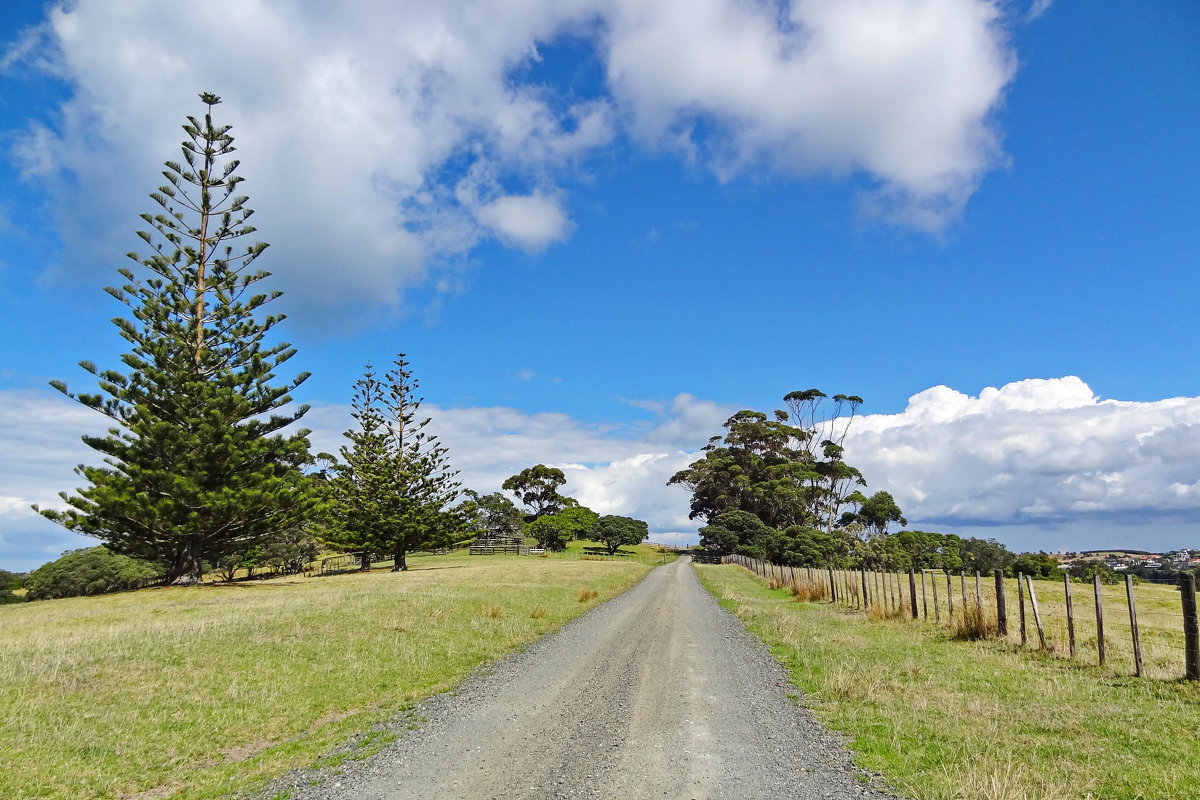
pixel 1147 630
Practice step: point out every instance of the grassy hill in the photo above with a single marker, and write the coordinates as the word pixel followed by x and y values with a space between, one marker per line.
pixel 197 692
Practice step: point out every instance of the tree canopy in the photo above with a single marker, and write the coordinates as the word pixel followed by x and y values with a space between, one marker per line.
pixel 197 464
pixel 614 531
pixel 537 488
pixel 553 531
pixel 786 467
pixel 491 515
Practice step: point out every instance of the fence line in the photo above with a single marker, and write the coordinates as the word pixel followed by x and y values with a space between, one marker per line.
pixel 1153 641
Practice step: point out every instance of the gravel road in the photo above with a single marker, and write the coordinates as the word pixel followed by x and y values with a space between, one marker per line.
pixel 659 693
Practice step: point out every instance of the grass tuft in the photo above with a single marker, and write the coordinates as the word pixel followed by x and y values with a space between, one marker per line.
pixel 538 612
pixel 810 592
pixel 586 594
pixel 496 612
pixel 974 624
pixel 878 611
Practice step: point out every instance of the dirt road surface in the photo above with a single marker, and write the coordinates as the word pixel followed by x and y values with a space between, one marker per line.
pixel 659 693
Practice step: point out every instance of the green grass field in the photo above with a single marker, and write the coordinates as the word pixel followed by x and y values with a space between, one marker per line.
pixel 199 692
pixel 954 720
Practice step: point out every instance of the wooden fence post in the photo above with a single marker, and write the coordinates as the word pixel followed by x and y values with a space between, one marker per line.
pixel 1070 612
pixel 949 597
pixel 912 591
pixel 1137 641
pixel 862 574
pixel 937 611
pixel 1021 599
pixel 978 594
pixel 832 588
pixel 1099 619
pixel 962 588
pixel 1001 610
pixel 1191 628
pixel 1037 614
pixel 924 596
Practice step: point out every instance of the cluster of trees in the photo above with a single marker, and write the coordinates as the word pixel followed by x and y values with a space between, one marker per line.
pixel 776 487
pixel 551 518
pixel 849 546
pixel 393 490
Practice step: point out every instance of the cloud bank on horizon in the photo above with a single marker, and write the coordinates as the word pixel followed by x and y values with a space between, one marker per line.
pixel 1030 452
pixel 382 142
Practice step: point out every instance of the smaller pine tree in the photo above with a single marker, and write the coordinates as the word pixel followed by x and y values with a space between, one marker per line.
pixel 394 489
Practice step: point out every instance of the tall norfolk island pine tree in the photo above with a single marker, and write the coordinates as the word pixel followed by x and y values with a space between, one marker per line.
pixel 394 488
pixel 196 465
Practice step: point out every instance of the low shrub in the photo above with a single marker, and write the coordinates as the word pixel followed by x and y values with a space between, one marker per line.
pixel 92 570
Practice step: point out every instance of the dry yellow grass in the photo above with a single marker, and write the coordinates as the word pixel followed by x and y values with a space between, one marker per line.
pixel 193 693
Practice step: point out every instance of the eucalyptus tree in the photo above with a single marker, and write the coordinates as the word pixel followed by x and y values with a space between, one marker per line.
pixel 786 467
pixel 197 463
pixel 537 488
pixel 826 425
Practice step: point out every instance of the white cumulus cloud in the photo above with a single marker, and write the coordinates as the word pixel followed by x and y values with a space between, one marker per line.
pixel 898 89
pixel 382 140
pixel 530 222
pixel 1033 450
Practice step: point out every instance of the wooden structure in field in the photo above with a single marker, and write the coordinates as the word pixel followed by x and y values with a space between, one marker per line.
pixel 500 545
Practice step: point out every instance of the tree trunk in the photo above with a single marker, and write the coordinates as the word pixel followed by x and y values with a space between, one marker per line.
pixel 401 564
pixel 187 569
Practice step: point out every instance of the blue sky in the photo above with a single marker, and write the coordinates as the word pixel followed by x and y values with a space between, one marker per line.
pixel 594 243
